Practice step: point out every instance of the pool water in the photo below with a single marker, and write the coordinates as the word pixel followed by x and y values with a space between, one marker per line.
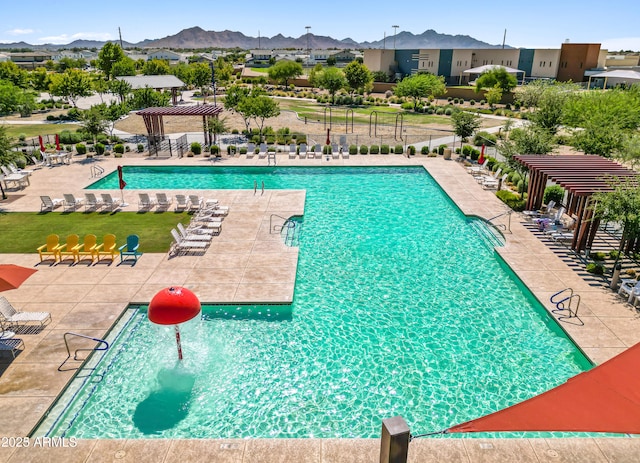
pixel 401 308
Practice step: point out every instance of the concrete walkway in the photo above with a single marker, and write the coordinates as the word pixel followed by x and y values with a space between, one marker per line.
pixel 89 299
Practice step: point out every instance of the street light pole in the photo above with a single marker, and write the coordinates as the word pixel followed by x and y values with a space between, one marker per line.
pixel 213 82
pixel 395 32
pixel 308 49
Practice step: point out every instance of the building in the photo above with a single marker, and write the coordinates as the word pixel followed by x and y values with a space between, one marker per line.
pixel 31 59
pixel 570 62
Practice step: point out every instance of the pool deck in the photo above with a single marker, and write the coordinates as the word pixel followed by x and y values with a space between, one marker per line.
pixel 247 263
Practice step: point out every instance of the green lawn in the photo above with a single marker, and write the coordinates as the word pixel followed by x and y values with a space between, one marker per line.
pixel 23 232
pixel 33 130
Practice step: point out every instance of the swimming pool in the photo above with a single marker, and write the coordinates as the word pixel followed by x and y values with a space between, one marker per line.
pixel 400 308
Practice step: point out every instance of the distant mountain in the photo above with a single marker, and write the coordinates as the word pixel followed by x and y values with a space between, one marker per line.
pixel 196 37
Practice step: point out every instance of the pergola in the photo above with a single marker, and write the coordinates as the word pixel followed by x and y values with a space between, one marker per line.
pixel 155 124
pixel 581 176
pixel 490 67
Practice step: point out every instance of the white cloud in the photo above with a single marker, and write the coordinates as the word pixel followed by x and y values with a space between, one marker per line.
pixel 20 32
pixel 67 38
pixel 628 43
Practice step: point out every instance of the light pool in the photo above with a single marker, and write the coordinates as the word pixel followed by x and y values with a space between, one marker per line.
pixel 400 308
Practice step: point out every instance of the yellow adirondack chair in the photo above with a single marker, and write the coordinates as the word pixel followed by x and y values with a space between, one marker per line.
pixel 86 249
pixel 50 248
pixel 66 249
pixel 108 247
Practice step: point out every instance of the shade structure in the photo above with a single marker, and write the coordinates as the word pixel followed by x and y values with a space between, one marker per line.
pixel 173 305
pixel 603 399
pixel 617 76
pixel 12 276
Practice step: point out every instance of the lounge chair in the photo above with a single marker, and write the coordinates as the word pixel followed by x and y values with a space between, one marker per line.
pixel 181 203
pixel 494 183
pixel 181 245
pixel 539 213
pixel 194 233
pixel 163 200
pixel 108 247
pixel 86 249
pixel 292 151
pixel 91 202
pixel 109 202
pixel 49 204
pixel 494 176
pixel 50 248
pixel 17 180
pixel 145 203
pixel 70 202
pixel 345 151
pixel 13 345
pixel 16 170
pixel 130 249
pixel 195 202
pixel 38 164
pixel 478 169
pixel 14 317
pixel 335 151
pixel 263 151
pixel 303 150
pixel 631 290
pixel 68 248
pixel 251 148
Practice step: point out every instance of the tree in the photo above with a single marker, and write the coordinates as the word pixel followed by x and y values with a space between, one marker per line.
pixel 201 76
pixel 217 126
pixel 380 76
pixel 11 72
pixel 314 74
pixel 124 67
pixel 493 95
pixel 40 80
pixel 496 76
pixel 465 123
pixel 620 205
pixel 13 99
pixel 527 140
pixel 7 154
pixel 121 88
pixel 234 96
pixel 331 79
pixel 113 113
pixel 331 60
pixel 223 71
pixel 283 71
pixel 420 86
pixel 72 84
pixel 70 63
pixel 109 54
pixel 100 86
pixel 358 77
pixel 184 72
pixel 629 152
pixel 156 67
pixel 259 108
pixel 94 121
pixel 148 97
pixel 550 103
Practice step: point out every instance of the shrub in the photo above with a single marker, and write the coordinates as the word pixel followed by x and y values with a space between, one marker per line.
pixel 432 155
pixel 441 149
pixel 466 150
pixel 196 148
pixel 398 149
pixel 353 149
pixel 472 102
pixel 68 148
pixel 67 137
pixel 440 111
pixel 485 138
pixel 424 150
pixel 364 149
pixel 384 149
pixel 326 149
pixel 615 254
pixel 118 149
pixel 595 268
pixel 407 106
pixel 215 150
pixel 140 147
pixel 22 137
pixel 375 149
pixel 231 150
pixel 127 148
pixel 99 148
pixel 81 148
pixel 448 112
pixel 512 200
pixel 73 114
pixel 553 193
pixel 412 150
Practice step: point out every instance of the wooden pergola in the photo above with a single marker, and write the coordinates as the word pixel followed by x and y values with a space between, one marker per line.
pixel 581 176
pixel 153 118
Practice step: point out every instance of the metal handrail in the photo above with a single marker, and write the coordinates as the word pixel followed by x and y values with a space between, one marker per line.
pixel 75 353
pixel 506 227
pixel 562 306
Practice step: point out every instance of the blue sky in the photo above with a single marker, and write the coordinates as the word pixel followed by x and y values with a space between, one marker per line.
pixel 531 24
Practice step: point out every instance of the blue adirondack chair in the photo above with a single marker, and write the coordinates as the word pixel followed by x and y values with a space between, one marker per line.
pixel 130 249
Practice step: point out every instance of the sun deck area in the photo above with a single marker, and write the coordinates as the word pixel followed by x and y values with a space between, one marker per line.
pixel 250 264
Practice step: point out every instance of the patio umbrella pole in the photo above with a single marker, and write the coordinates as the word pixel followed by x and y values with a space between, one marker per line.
pixel 178 342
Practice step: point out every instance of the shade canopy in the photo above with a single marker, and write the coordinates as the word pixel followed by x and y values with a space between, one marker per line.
pixel 491 67
pixel 603 399
pixel 173 305
pixel 12 276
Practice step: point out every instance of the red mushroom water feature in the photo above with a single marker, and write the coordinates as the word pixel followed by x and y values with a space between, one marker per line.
pixel 172 306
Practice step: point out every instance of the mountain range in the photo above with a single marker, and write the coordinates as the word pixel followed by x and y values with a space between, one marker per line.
pixel 198 38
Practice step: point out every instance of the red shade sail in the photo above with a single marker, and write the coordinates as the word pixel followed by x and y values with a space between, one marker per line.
pixel 603 399
pixel 120 179
pixel 174 305
pixel 12 276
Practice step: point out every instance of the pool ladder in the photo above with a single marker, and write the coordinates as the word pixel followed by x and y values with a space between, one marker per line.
pixel 563 301
pixel 104 345
pixel 255 187
pixel 96 171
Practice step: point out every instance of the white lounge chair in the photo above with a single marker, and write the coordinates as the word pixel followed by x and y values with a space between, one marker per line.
pixel 251 148
pixel 49 204
pixel 292 151
pixel 631 290
pixel 14 317
pixel 345 151
pixel 181 203
pixel 493 183
pixel 16 170
pixel 18 180
pixel 91 202
pixel 303 150
pixel 38 164
pixel 163 200
pixel 194 233
pixel 543 212
pixel 195 202
pixel 145 203
pixel 109 202
pixel 181 245
pixel 70 202
pixel 335 151
pixel 263 151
